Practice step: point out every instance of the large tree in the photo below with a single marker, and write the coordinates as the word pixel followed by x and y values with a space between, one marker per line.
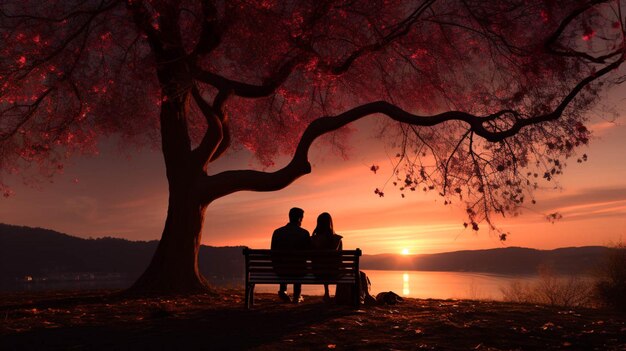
pixel 483 99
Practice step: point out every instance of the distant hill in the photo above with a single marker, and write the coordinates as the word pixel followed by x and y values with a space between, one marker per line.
pixel 38 252
pixel 511 260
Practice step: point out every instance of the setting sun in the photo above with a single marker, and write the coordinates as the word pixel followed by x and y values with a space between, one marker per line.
pixel 405 251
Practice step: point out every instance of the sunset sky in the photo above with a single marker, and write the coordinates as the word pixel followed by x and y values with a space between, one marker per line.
pixel 123 194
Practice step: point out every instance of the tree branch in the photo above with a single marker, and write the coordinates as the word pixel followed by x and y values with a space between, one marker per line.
pixel 25 116
pixel 210 33
pixel 553 39
pixel 446 167
pixel 270 84
pixel 267 88
pixel 218 104
pixel 142 20
pixel 213 135
pixel 102 8
pixel 82 30
pixel 554 115
pixel 399 30
pixel 221 184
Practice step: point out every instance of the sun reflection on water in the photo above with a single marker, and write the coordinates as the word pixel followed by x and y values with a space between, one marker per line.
pixel 405 284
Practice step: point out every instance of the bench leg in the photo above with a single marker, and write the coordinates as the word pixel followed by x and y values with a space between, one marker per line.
pixel 247 296
pixel 357 290
pixel 251 294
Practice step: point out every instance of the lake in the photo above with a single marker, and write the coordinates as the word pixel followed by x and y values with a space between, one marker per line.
pixel 417 284
pixel 422 284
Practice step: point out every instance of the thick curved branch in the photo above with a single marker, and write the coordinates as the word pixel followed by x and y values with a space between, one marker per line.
pixel 218 107
pixel 221 184
pixel 554 115
pixel 213 135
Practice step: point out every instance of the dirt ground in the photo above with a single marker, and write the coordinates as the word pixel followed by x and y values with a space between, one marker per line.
pixel 94 320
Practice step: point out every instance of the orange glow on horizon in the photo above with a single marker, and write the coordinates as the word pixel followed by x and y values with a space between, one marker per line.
pixel 591 197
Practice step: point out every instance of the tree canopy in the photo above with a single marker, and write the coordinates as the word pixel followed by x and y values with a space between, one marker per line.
pixel 484 99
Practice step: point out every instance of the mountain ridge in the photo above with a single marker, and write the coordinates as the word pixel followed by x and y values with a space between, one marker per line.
pixel 40 252
pixel 510 260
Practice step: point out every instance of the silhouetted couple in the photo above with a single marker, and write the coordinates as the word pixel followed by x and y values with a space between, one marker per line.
pixel 294 237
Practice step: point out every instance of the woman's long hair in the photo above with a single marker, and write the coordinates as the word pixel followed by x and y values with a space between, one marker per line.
pixel 324 225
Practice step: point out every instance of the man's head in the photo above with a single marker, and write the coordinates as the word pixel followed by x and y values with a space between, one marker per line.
pixel 295 215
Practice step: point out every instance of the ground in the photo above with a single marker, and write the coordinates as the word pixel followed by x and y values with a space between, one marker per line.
pixel 90 320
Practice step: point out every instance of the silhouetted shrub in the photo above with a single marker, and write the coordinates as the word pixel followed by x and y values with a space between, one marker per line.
pixel 550 289
pixel 611 283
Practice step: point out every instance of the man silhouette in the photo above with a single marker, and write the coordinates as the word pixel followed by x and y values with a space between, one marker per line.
pixel 291 237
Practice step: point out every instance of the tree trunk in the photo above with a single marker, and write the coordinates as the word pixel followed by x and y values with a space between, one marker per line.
pixel 174 266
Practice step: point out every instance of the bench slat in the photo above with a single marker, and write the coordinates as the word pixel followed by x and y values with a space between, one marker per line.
pixel 266 252
pixel 278 280
pixel 310 278
pixel 303 259
pixel 300 267
pixel 298 276
pixel 329 266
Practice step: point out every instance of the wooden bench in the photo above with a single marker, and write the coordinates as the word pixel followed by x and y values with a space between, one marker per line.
pixel 301 267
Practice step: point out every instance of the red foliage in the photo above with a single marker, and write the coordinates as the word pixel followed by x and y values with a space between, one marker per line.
pixel 73 72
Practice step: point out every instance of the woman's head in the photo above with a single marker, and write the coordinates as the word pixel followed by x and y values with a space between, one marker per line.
pixel 324 224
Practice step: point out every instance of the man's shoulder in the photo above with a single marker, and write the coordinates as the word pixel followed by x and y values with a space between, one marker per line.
pixel 281 229
pixel 294 228
pixel 291 229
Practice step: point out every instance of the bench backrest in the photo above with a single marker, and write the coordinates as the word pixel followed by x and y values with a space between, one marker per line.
pixel 307 267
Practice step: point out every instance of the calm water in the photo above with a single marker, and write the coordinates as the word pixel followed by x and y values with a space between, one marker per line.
pixel 419 284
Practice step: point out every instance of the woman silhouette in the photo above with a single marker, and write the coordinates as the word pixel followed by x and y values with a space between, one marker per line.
pixel 325 238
